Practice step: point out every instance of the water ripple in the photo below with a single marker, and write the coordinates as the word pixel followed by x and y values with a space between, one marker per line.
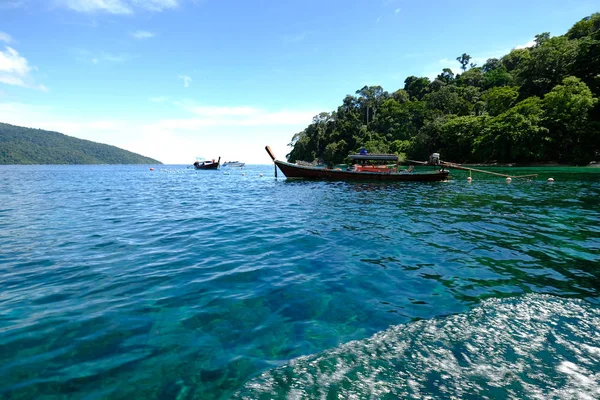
pixel 537 347
pixel 181 284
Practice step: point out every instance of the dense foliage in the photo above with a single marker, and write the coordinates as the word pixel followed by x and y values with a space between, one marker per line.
pixel 20 145
pixel 532 105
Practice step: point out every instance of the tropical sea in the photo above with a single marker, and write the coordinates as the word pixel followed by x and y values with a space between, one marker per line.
pixel 125 283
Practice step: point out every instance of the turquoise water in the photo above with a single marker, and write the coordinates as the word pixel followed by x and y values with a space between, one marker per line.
pixel 120 282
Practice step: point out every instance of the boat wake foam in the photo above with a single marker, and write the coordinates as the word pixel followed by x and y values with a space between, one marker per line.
pixel 536 346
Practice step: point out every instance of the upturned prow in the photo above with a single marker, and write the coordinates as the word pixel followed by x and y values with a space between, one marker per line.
pixel 268 149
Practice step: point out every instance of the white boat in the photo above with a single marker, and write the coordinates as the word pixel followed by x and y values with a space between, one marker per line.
pixel 233 164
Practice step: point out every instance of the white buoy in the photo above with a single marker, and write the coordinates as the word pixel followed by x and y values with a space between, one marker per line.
pixel 509 179
pixel 261 175
pixel 550 180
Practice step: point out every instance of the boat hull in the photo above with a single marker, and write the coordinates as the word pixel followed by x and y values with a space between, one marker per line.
pixel 297 171
pixel 207 166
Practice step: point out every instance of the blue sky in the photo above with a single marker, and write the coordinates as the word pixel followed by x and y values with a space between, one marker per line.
pixel 175 79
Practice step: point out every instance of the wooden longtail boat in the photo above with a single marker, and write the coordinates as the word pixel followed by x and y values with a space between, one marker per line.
pixel 361 172
pixel 201 164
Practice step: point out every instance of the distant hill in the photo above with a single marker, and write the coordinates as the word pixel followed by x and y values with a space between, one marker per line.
pixel 19 145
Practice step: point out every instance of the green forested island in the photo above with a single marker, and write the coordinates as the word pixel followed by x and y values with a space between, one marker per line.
pixel 536 104
pixel 20 145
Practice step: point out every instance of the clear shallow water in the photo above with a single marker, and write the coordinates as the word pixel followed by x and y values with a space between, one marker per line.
pixel 179 284
pixel 536 347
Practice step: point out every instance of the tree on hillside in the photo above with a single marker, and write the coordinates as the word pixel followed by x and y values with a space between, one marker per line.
pixel 401 96
pixel 516 59
pixel 472 77
pixel 567 108
pixel 370 97
pixel 464 61
pixel 549 63
pixel 447 101
pixel 498 77
pixel 514 135
pixel 446 76
pixel 500 99
pixel 533 104
pixel 585 27
pixel 491 64
pixel 541 38
pixel 416 88
pixel 587 60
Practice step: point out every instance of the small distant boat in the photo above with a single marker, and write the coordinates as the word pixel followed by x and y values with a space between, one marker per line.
pixel 233 164
pixel 205 164
pixel 362 170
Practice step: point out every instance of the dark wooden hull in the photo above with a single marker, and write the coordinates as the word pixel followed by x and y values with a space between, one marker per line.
pixel 297 171
pixel 208 166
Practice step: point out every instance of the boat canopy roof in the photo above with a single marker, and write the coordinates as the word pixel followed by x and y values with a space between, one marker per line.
pixel 380 157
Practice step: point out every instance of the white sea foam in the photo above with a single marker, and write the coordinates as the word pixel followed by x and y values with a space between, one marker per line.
pixel 536 346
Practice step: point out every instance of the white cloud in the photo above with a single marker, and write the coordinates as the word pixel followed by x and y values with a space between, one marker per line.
pixel 11 80
pixel 101 57
pixel 238 116
pixel 295 38
pixel 5 37
pixel 155 5
pixel 531 43
pixel 91 6
pixel 15 70
pixel 7 4
pixel 187 81
pixel 215 111
pixel 113 58
pixel 13 63
pixel 256 118
pixel 159 99
pixel 142 35
pixel 118 6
